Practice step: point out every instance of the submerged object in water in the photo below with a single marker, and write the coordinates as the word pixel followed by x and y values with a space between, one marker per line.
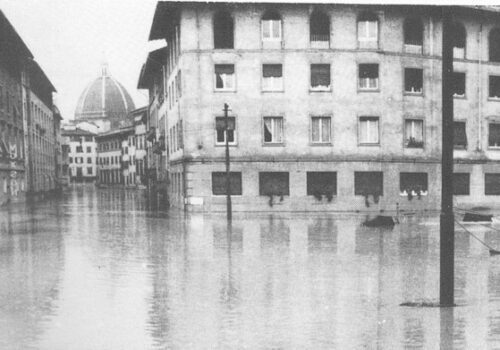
pixel 473 217
pixel 380 221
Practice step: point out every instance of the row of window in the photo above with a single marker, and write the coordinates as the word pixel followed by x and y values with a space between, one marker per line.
pixel 320 79
pixel 366 183
pixel 78 172
pixel 81 139
pixel 79 160
pixel 368 131
pixel 367 32
pixel 79 149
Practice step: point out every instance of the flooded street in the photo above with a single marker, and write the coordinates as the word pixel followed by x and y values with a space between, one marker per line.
pixel 98 269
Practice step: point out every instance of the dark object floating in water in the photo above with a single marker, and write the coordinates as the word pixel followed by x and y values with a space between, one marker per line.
pixel 472 217
pixel 422 304
pixel 380 221
pixel 494 252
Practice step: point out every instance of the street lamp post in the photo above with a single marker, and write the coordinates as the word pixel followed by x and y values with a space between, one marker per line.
pixel 447 220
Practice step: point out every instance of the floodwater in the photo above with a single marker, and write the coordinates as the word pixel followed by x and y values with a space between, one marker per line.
pixel 100 269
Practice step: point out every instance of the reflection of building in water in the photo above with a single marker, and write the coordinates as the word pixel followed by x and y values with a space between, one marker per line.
pixel 331 105
pixel 32 264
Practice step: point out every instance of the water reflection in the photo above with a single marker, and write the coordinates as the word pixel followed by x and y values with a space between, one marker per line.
pixel 99 269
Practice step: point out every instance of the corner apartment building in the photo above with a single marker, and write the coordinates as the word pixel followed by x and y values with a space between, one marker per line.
pixel 333 106
pixel 82 154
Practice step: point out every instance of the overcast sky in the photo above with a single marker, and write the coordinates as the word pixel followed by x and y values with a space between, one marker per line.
pixel 70 38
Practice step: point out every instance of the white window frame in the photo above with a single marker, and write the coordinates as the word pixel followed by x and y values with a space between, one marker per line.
pixel 226 78
pixel 407 137
pixel 273 133
pixel 321 118
pixel 272 84
pixel 489 124
pixel 368 122
pixel 364 34
pixel 272 35
pixel 363 83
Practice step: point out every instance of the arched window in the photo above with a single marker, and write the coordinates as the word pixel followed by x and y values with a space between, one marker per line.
pixel 223 30
pixel 459 37
pixel 494 43
pixel 319 27
pixel 413 34
pixel 367 28
pixel 271 26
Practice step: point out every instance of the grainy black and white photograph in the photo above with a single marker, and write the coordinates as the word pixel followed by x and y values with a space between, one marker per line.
pixel 249 175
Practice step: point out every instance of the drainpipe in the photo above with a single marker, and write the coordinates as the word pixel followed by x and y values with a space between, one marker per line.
pixel 480 92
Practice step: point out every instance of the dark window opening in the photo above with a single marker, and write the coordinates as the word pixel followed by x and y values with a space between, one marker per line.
pixel 219 183
pixel 368 183
pixel 494 135
pixel 319 27
pixel 223 31
pixel 414 133
pixel 413 80
pixel 322 183
pixel 461 184
pixel 79 149
pixel 89 150
pixel 459 135
pixel 458 84
pixel 89 160
pixel 274 184
pixel 492 184
pixel 458 35
pixel 414 183
pixel 368 76
pixel 494 44
pixel 320 76
pixel 494 86
pixel 89 171
pixel 413 31
pixel 220 126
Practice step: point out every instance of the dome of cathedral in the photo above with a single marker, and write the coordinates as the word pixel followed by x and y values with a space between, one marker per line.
pixel 104 98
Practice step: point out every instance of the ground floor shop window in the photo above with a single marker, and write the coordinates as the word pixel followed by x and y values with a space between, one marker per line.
pixel 321 184
pixel 492 184
pixel 219 183
pixel 369 183
pixel 413 184
pixel 461 184
pixel 274 184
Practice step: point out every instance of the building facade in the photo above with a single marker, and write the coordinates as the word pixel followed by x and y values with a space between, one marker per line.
pixel 121 154
pixel 82 154
pixel 42 133
pixel 14 57
pixel 332 107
